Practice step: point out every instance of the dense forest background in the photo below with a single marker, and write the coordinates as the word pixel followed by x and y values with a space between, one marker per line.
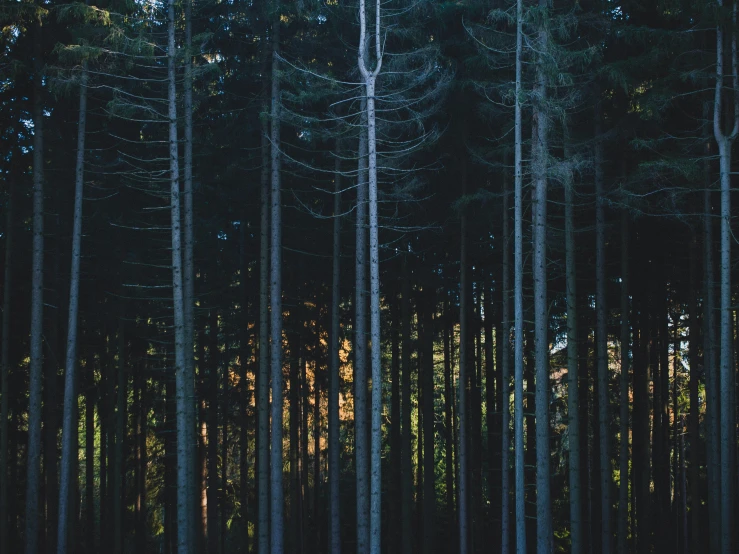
pixel 338 275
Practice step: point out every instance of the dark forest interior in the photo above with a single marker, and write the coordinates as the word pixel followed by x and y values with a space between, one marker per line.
pixel 408 276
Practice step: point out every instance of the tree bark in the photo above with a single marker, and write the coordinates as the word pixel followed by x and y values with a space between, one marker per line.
pixel 334 430
pixel 503 342
pixel 33 457
pixel 623 491
pixel 601 344
pixel 573 394
pixel 406 497
pixel 70 400
pixel 276 473
pixel 429 482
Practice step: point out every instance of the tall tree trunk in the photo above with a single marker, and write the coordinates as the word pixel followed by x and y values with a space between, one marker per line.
pixel 188 276
pixel 5 483
pixel 89 456
pixel 429 482
pixel 601 341
pixel 118 493
pixel 693 418
pixel 727 431
pixel 262 377
pixel 276 477
pixel 245 391
pixel 462 404
pixel 518 295
pixel 184 447
pixel 370 78
pixel 212 423
pixel 295 530
pixel 504 344
pixel 540 154
pixel 573 395
pixel 334 430
pixel 623 490
pixel 33 457
pixel 70 397
pixel 406 496
pixel 396 476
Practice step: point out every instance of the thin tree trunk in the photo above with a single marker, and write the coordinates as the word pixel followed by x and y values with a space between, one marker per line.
pixel 573 395
pixel 276 474
pixel 245 391
pixel 89 457
pixel 262 377
pixel 429 482
pixel 5 523
pixel 693 417
pixel 540 154
pixel 70 400
pixel 601 342
pixel 212 423
pixel 334 430
pixel 294 448
pixel 184 447
pixel 463 501
pixel 360 348
pixel 396 476
pixel 503 342
pixel 623 491
pixel 709 364
pixel 33 458
pixel 118 496
pixel 518 295
pixel 406 497
pixel 188 277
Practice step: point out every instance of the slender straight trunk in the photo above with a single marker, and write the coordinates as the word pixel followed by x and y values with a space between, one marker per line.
pixel 170 469
pixel 317 543
pixel 396 476
pixel 725 380
pixel 463 502
pixel 683 492
pixel 573 395
pixel 304 462
pixel 693 417
pixel 540 154
pixel 623 490
pixel 188 277
pixel 244 391
pixel 118 496
pixel 70 400
pixel 710 369
pixel 184 447
pixel 406 496
pixel 492 415
pixel 518 295
pixel 5 523
pixel 448 418
pixel 294 447
pixel 276 477
pixel 89 456
pixel 33 457
pixel 503 342
pixel 262 377
pixel 141 497
pixel 360 347
pixel 429 482
pixel 223 482
pixel 585 400
pixel 212 423
pixel 334 429
pixel 601 342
